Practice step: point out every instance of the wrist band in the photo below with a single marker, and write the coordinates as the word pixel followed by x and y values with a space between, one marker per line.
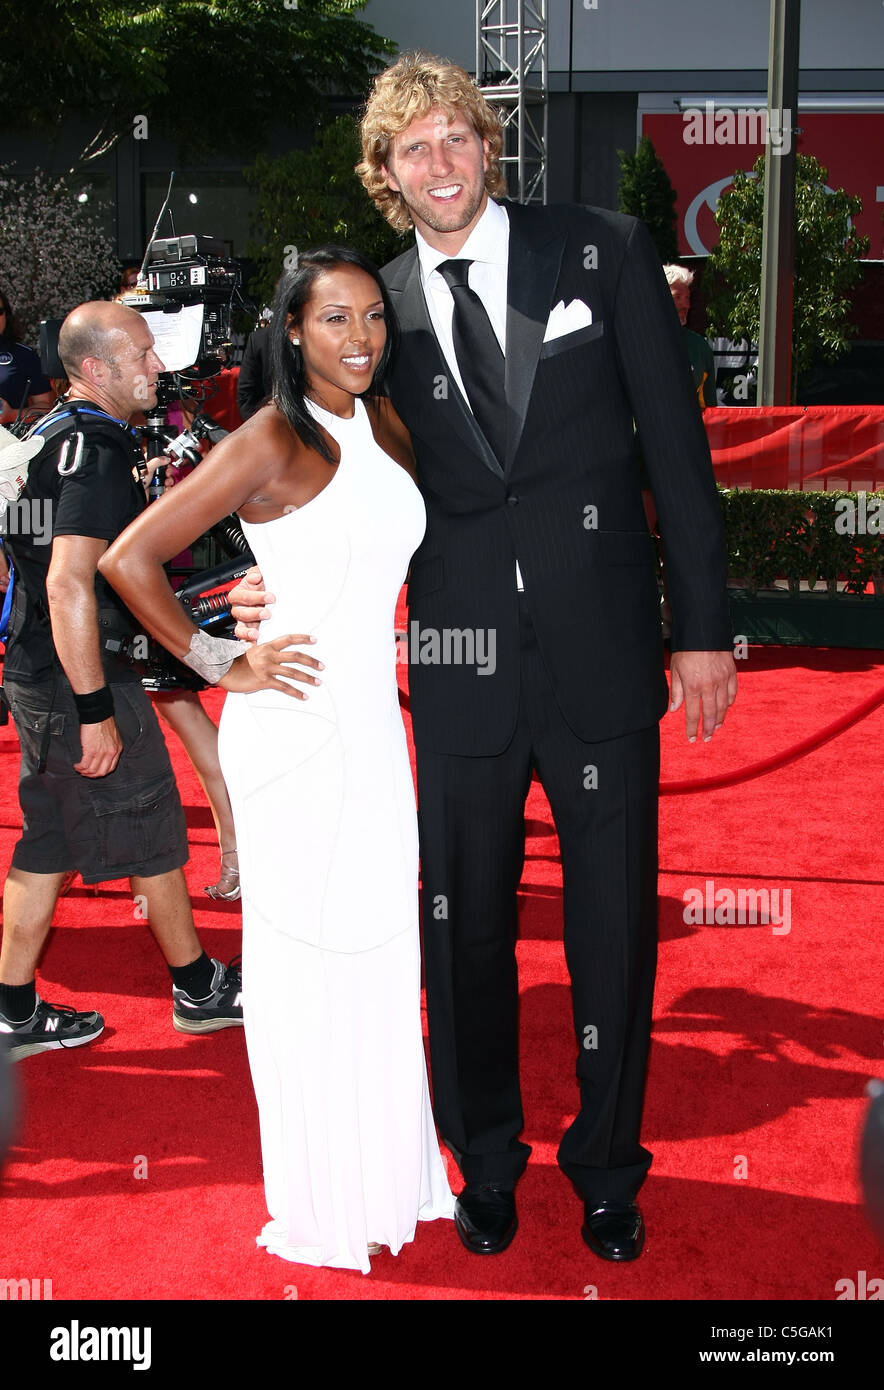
pixel 212 657
pixel 95 707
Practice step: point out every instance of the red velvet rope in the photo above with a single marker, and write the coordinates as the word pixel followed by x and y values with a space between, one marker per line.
pixel 777 760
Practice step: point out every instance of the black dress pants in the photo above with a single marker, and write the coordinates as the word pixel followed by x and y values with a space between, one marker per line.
pixel 471 810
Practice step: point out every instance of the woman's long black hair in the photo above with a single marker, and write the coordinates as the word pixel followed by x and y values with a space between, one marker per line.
pixel 286 361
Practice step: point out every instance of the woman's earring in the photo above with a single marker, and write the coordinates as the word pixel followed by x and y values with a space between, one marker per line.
pixel 295 342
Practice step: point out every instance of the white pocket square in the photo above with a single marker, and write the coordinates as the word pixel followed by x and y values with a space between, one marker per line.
pixel 567 319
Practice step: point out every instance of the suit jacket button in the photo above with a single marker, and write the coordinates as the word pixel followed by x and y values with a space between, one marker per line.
pixel 512 499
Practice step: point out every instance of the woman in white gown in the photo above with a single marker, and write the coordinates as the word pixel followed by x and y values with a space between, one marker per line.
pixel 315 758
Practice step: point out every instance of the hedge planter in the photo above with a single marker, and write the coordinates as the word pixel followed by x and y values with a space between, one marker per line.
pixel 808 619
pixel 825 540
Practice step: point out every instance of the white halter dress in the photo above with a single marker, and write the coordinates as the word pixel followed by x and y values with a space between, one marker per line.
pixel 324 807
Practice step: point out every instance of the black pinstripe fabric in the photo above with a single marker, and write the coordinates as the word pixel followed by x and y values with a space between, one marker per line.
pixel 591 408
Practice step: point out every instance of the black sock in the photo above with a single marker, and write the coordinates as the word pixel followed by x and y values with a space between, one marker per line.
pixel 195 979
pixel 18 1002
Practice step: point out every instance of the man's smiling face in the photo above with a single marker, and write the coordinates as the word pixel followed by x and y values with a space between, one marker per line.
pixel 438 165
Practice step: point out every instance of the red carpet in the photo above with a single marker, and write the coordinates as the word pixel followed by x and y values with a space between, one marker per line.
pixel 763 1043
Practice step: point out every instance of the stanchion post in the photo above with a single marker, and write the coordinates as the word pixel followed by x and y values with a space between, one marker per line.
pixel 778 238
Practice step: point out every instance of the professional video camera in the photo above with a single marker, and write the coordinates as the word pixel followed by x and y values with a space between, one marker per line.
pixel 187 288
pixel 194 277
pixel 196 270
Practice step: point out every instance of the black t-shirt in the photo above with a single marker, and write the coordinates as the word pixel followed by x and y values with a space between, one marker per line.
pixel 20 372
pixel 98 500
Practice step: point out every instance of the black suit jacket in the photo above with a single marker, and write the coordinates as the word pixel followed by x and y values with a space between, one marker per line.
pixel 255 384
pixel 567 499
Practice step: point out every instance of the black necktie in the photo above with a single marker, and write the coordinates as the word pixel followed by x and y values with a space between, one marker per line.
pixel 479 358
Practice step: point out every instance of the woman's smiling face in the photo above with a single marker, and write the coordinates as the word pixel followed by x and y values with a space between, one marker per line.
pixel 342 333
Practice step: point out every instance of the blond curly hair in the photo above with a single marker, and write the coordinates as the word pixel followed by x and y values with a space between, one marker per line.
pixel 414 85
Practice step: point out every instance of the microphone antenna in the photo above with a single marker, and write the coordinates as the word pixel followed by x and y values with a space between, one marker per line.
pixel 156 225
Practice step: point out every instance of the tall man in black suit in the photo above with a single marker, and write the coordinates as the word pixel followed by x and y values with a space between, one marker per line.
pixel 537 344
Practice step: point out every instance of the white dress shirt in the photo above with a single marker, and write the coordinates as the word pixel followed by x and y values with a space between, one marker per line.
pixel 487 246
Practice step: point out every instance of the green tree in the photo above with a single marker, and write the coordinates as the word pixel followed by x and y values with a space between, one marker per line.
pixel 308 197
pixel 211 73
pixel 53 252
pixel 646 192
pixel 827 255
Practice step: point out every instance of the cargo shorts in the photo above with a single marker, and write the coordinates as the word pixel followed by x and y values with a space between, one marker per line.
pixel 129 822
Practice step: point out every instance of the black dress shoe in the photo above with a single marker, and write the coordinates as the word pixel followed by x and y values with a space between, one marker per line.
pixel 485 1217
pixel 614 1230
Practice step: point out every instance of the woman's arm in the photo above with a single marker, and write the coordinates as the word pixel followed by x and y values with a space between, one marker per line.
pixel 236 469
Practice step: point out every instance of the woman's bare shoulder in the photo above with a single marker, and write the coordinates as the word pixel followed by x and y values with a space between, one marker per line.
pixel 267 422
pixel 270 434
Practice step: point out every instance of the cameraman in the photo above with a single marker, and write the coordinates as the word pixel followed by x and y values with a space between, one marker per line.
pixel 106 803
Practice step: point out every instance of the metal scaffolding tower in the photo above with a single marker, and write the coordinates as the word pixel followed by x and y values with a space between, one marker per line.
pixel 511 70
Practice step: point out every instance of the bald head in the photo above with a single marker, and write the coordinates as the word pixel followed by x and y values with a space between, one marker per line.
pixel 108 353
pixel 98 329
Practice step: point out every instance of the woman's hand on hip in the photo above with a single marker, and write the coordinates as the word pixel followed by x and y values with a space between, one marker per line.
pixel 262 666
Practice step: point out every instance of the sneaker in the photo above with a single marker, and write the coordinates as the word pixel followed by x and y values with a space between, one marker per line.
pixel 222 1008
pixel 50 1027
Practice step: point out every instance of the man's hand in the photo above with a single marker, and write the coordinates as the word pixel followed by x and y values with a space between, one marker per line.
pixel 706 684
pixel 152 466
pixel 100 749
pixel 247 606
pixel 173 474
pixel 260 668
